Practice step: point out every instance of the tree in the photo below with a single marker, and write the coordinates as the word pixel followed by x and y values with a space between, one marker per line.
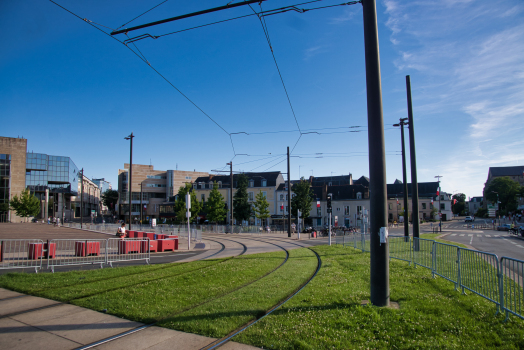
pixel 460 205
pixel 215 206
pixel 109 199
pixel 433 213
pixel 241 207
pixel 261 207
pixel 26 205
pixel 303 198
pixel 507 190
pixel 180 204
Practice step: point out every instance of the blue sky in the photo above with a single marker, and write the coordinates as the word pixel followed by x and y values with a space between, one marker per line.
pixel 72 90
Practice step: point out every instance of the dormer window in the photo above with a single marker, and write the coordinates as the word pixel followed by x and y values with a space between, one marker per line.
pixel 359 195
pixel 219 184
pixel 251 183
pixel 264 182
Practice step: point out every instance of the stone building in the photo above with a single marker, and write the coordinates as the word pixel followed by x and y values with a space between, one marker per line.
pixel 13 153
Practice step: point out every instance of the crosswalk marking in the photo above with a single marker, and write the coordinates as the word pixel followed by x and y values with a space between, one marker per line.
pixel 513 242
pixel 479 236
pixel 462 235
pixel 490 236
pixel 469 234
pixel 518 245
pixel 453 234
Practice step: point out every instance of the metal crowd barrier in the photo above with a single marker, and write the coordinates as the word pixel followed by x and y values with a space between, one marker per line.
pixel 511 283
pixel 77 252
pixel 22 253
pixel 127 250
pixel 423 253
pixel 445 258
pixel 479 273
pixel 400 248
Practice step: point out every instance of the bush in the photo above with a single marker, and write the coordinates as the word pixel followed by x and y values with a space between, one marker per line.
pixel 481 213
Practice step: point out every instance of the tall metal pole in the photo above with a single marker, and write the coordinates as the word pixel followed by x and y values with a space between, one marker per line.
pixel 141 206
pixel 404 176
pixel 82 199
pixel 288 197
pixel 377 160
pixel 130 137
pixel 231 195
pixel 413 159
pixel 439 210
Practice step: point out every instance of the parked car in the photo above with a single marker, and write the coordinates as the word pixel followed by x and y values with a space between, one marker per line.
pixel 468 219
pixel 504 227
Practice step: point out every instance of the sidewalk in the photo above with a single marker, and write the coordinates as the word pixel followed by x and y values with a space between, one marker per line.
pixel 28 323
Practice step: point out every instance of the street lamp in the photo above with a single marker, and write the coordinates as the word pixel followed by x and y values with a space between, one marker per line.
pixel 130 137
pixel 439 207
pixel 406 216
pixel 497 205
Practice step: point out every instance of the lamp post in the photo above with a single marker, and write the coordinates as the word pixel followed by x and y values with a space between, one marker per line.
pixel 401 124
pixel 439 207
pixel 130 137
pixel 497 205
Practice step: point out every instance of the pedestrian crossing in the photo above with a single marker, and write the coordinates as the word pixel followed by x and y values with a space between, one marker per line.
pixel 475 235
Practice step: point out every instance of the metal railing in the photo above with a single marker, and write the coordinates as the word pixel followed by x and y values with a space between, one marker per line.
pixel 500 281
pixel 22 253
pixel 77 252
pixel 127 250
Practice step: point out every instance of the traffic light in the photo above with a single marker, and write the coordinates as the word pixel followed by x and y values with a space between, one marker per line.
pixel 329 202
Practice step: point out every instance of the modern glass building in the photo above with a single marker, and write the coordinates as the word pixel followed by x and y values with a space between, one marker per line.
pixel 52 179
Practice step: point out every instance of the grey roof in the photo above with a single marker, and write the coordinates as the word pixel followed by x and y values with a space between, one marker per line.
pixel 425 189
pixel 270 177
pixel 507 171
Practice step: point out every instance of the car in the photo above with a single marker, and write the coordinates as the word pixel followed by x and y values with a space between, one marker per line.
pixel 504 227
pixel 468 219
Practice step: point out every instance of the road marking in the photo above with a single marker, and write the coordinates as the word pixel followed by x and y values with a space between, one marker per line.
pixel 488 235
pixel 453 234
pixel 513 242
pixel 469 235
pixel 161 256
pixel 461 235
pixel 471 240
pixel 479 235
pixel 518 245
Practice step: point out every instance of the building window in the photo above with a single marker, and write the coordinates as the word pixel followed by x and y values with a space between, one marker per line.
pixel 250 196
pixel 287 209
pixel 346 210
pixel 264 193
pixel 286 197
pixel 203 197
pixel 158 177
pixel 195 186
pixel 281 197
pixel 251 183
pixel 338 209
pixel 423 205
pixel 219 184
pixel 431 206
pixel 155 185
pixel 359 209
pixel 319 211
pixel 264 183
pixel 330 184
pixel 442 206
pixel 188 177
pixel 359 195
pixel 390 206
pixel 442 197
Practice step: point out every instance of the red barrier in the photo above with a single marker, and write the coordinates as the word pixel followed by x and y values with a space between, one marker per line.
pixel 92 248
pixel 150 235
pixel 126 247
pixel 167 244
pixel 131 234
pixel 39 250
pixel 153 246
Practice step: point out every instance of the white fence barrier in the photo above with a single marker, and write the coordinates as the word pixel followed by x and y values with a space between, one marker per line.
pixel 23 253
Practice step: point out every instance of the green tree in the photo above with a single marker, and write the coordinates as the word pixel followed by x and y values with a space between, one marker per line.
pixel 180 204
pixel 303 198
pixel 26 205
pixel 241 207
pixel 433 213
pixel 109 199
pixel 215 206
pixel 261 207
pixel 460 205
pixel 507 190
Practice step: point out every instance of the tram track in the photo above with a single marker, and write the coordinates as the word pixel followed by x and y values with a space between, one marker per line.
pixel 137 329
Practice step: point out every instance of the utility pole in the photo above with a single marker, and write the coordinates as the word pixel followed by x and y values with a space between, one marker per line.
pixel 141 183
pixel 379 248
pixel 82 199
pixel 231 195
pixel 439 208
pixel 413 159
pixel 404 176
pixel 130 183
pixel 288 197
pixel 329 206
pixel 188 216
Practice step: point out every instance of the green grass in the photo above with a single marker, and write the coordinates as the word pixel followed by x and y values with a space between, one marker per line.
pixel 215 297
pixel 220 317
pixel 328 313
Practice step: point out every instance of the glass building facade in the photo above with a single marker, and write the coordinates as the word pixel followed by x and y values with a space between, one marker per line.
pixel 5 176
pixel 56 173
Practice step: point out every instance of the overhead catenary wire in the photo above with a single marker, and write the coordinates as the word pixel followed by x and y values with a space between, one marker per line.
pixel 152 8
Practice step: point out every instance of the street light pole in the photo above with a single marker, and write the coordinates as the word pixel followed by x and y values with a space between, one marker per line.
pixel 231 195
pixel 288 197
pixel 404 177
pixel 379 249
pixel 413 159
pixel 130 183
pixel 439 207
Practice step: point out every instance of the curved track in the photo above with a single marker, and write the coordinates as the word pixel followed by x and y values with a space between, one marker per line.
pixel 220 342
pixel 118 336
